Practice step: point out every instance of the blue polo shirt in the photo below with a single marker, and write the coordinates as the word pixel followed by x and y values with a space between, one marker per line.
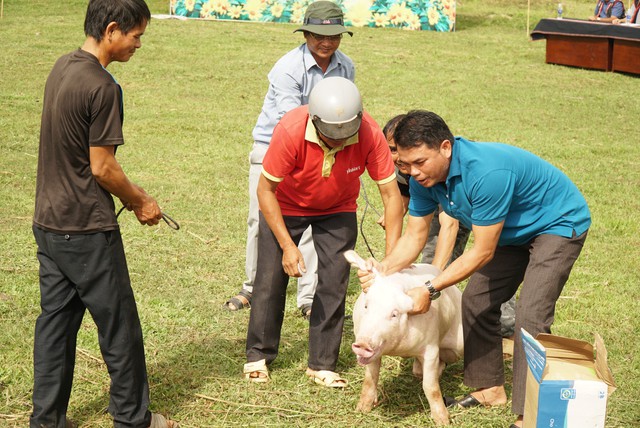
pixel 492 182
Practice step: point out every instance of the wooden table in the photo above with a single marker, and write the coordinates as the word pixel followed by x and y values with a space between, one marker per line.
pixel 594 45
pixel 626 56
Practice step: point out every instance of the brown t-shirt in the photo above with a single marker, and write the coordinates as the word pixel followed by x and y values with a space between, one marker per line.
pixel 82 107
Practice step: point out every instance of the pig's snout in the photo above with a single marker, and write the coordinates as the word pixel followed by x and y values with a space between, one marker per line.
pixel 363 351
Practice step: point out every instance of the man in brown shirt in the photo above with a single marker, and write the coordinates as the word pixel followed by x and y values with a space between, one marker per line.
pixel 82 260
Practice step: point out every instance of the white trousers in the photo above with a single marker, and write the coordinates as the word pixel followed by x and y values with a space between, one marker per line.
pixel 307 283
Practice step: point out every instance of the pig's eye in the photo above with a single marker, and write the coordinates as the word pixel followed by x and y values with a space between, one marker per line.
pixel 394 314
pixel 366 306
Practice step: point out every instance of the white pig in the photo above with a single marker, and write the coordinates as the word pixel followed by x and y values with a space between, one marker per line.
pixel 383 327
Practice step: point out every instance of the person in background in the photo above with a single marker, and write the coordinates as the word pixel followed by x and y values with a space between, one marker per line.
pixel 608 11
pixel 632 13
pixel 447 237
pixel 311 178
pixel 290 82
pixel 82 260
pixel 529 223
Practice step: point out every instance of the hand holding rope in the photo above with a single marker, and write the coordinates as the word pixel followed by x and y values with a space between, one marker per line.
pixel 167 219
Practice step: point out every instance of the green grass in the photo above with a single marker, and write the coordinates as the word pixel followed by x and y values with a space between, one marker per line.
pixel 192 95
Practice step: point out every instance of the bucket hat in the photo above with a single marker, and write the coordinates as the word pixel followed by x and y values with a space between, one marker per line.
pixel 325 18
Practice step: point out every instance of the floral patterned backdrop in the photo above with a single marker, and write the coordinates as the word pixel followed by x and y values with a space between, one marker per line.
pixel 434 15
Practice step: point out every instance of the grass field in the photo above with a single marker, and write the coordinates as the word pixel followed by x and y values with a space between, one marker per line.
pixel 192 95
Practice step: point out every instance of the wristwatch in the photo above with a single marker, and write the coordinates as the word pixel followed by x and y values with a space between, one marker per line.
pixel 433 293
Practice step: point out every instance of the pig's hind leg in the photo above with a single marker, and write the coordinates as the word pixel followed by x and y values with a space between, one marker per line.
pixel 447 356
pixel 417 367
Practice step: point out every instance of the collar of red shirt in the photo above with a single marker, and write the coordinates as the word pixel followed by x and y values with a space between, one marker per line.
pixel 311 135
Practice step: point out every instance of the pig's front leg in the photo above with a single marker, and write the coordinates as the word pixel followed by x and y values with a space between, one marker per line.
pixel 431 386
pixel 369 393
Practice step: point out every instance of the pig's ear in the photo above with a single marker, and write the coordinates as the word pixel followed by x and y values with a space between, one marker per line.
pixel 355 260
pixel 405 303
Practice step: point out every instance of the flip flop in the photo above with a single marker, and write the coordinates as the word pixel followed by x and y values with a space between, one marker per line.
pixel 327 378
pixel 449 401
pixel 469 401
pixel 235 304
pixel 259 367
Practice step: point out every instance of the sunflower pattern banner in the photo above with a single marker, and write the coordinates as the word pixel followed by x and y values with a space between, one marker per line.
pixel 433 15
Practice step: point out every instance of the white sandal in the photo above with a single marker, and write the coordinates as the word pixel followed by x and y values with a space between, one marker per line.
pixel 327 378
pixel 259 367
pixel 159 421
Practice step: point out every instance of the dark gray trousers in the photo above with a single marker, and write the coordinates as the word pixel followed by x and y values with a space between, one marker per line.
pixel 543 267
pixel 508 309
pixel 79 272
pixel 332 236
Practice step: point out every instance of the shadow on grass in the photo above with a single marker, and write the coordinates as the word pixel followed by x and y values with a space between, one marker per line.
pixel 181 371
pixel 212 365
pixel 401 395
pixel 209 364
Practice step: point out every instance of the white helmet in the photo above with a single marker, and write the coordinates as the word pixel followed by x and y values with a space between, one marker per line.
pixel 335 107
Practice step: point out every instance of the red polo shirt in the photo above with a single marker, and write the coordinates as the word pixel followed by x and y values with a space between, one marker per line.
pixel 314 181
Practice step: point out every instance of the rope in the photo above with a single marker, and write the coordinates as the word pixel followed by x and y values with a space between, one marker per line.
pixel 367 204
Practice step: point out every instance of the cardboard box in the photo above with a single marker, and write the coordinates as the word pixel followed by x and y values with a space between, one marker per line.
pixel 567 387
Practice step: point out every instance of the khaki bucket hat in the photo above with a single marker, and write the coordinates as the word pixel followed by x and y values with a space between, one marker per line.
pixel 324 18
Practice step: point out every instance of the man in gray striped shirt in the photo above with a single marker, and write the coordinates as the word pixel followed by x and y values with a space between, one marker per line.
pixel 290 82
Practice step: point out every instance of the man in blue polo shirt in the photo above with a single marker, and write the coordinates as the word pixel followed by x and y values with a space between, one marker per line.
pixel 529 223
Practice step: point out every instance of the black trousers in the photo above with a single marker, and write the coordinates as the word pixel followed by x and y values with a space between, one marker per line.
pixel 332 236
pixel 79 272
pixel 542 267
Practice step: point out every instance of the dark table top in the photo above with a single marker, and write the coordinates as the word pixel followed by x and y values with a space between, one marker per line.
pixel 584 28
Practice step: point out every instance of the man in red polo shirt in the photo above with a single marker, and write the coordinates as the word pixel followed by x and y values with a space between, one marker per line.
pixel 310 177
